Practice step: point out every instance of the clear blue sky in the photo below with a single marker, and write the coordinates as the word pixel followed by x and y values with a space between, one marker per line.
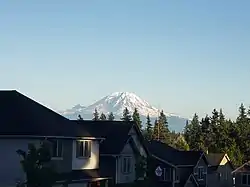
pixel 184 56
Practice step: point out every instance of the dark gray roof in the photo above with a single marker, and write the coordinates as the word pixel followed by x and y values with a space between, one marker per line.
pixel 116 133
pixel 22 116
pixel 172 155
pixel 214 159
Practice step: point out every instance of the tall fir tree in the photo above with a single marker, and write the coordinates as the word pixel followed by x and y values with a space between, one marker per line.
pixel 163 124
pixel 103 117
pixel 80 117
pixel 149 128
pixel 193 135
pixel 126 115
pixel 111 116
pixel 137 119
pixel 96 115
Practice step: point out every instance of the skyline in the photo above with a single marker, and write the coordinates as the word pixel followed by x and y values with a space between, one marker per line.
pixel 181 57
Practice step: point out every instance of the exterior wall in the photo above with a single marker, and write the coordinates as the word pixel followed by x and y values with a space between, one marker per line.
pixel 157 180
pixel 86 163
pixel 11 170
pixel 203 164
pixel 64 164
pixel 222 177
pixel 137 142
pixel 238 179
pixel 126 177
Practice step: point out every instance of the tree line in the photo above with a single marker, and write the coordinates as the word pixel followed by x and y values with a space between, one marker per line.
pixel 158 130
pixel 218 134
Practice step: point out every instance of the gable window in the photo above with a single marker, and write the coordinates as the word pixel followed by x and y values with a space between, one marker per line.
pixel 167 174
pixel 56 148
pixel 245 179
pixel 200 173
pixel 126 165
pixel 83 149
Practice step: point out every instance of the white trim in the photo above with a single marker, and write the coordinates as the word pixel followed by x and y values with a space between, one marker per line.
pixel 82 180
pixel 164 161
pixel 57 137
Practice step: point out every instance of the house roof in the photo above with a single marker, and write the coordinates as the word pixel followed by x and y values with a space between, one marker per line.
pixel 214 159
pixel 243 168
pixel 21 117
pixel 116 133
pixel 174 156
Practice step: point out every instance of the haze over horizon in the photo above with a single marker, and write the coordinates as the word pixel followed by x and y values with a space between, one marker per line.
pixel 179 56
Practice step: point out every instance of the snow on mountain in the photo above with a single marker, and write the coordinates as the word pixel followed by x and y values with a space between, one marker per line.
pixel 117 102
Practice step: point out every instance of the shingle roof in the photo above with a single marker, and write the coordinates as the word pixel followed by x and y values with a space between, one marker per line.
pixel 22 116
pixel 214 159
pixel 116 133
pixel 173 155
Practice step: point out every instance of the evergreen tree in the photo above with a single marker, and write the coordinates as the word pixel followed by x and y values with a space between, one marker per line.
pixel 96 115
pixel 149 129
pixel 193 134
pixel 111 116
pixel 126 115
pixel 136 118
pixel 35 164
pixel 242 114
pixel 103 117
pixel 80 117
pixel 163 123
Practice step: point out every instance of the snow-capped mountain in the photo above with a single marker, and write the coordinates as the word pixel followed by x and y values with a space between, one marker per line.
pixel 117 102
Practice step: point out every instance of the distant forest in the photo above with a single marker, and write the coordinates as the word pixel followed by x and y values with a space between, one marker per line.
pixel 213 133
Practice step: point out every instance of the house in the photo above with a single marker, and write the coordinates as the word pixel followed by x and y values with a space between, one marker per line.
pixel 174 168
pixel 241 175
pixel 122 149
pixel 220 170
pixel 75 152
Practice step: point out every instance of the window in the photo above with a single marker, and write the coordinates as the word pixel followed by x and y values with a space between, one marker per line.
pixel 245 179
pixel 167 174
pixel 126 165
pixel 200 173
pixel 56 148
pixel 83 149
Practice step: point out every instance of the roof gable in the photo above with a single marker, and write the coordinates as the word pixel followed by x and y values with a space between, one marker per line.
pixel 243 168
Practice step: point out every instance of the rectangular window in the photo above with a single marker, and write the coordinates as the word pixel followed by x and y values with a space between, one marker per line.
pixel 126 165
pixel 56 148
pixel 244 179
pixel 83 149
pixel 200 173
pixel 167 174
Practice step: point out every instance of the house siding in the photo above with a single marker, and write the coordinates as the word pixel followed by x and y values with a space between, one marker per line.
pixel 222 177
pixel 86 163
pixel 203 164
pixel 126 177
pixel 238 178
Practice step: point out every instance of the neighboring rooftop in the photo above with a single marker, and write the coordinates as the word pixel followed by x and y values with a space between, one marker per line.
pixel 172 155
pixel 214 159
pixel 116 133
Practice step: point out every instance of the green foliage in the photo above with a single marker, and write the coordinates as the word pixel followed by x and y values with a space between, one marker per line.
pixel 103 117
pixel 220 135
pixel 149 129
pixel 141 167
pixel 126 115
pixel 111 116
pixel 96 115
pixel 36 165
pixel 136 118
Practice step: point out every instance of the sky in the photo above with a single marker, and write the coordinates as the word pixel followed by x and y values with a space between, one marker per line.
pixel 181 56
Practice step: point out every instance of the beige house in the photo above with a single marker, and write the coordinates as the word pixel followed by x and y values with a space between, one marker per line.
pixel 220 169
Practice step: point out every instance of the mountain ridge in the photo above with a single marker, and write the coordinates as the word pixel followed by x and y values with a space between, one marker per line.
pixel 116 102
